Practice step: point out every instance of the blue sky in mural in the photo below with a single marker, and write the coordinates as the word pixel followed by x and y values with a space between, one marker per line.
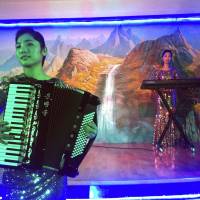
pixel 75 35
pixel 145 32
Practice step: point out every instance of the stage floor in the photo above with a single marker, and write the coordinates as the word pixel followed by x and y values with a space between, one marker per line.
pixel 136 164
pixel 137 170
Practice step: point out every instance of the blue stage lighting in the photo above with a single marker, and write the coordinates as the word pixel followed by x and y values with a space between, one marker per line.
pixel 101 21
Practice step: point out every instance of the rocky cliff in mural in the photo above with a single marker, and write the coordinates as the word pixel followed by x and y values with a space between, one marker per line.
pixel 148 53
pixel 82 68
pixel 59 47
pixel 119 43
pixel 78 60
pixel 138 65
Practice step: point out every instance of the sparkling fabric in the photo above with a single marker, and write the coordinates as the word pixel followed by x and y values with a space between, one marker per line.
pixel 181 100
pixel 27 184
pixel 162 115
pixel 165 161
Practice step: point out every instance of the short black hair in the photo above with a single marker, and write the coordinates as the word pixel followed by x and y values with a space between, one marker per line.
pixel 35 34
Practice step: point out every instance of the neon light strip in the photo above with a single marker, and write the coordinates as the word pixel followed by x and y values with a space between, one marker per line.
pixel 186 196
pixel 100 21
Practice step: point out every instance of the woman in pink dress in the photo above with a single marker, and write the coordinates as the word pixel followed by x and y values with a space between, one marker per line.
pixel 165 71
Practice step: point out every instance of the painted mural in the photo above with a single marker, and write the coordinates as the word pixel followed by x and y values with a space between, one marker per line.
pixel 111 62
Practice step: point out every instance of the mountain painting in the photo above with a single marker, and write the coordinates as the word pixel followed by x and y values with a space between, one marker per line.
pixel 111 62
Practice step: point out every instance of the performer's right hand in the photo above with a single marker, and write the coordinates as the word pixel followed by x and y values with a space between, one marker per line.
pixel 3 129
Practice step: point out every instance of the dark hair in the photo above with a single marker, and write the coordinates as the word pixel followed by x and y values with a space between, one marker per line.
pixel 163 53
pixel 35 34
pixel 166 51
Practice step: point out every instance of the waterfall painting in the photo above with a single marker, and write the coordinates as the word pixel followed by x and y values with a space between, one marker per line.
pixel 111 62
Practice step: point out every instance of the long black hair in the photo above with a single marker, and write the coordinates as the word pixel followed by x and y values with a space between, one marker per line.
pixel 163 53
pixel 167 51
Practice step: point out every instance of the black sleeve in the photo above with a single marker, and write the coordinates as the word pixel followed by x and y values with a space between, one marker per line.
pixel 2 101
pixel 4 83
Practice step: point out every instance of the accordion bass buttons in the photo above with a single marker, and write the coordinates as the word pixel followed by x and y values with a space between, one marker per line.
pixel 75 126
pixel 67 146
pixel 80 108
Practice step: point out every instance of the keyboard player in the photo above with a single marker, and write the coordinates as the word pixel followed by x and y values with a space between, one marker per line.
pixel 163 122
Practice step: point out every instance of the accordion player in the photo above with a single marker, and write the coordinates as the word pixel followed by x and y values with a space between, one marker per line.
pixel 47 123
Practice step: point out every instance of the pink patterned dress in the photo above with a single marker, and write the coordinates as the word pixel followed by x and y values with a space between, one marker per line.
pixel 162 114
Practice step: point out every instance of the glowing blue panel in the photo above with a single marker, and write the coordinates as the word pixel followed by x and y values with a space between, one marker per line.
pixel 105 21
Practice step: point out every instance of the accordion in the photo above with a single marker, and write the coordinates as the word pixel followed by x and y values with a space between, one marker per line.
pixel 47 123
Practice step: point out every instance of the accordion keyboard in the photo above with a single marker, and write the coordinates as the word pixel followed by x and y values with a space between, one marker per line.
pixel 17 107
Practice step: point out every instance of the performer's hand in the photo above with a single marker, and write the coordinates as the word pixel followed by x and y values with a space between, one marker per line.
pixel 90 130
pixel 3 129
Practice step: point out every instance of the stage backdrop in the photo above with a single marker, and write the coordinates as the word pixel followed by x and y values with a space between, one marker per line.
pixel 111 62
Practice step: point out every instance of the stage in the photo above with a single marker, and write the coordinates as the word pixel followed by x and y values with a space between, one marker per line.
pixel 137 171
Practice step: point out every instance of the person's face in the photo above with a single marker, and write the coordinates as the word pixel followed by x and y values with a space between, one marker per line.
pixel 28 51
pixel 167 57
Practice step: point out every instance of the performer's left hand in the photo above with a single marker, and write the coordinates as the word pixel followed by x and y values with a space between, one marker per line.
pixel 90 130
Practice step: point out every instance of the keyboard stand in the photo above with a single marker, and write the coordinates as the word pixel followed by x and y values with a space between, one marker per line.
pixel 172 117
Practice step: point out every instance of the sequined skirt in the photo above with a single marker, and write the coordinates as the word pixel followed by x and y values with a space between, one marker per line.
pixel 29 184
